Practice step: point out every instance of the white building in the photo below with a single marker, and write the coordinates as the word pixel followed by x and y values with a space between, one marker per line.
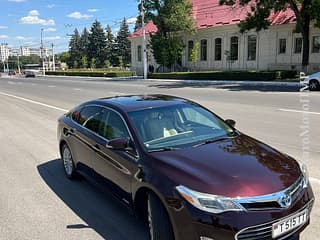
pixel 4 52
pixel 14 52
pixel 25 51
pixel 278 47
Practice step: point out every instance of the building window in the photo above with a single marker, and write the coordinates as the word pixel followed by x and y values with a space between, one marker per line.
pixel 234 45
pixel 139 53
pixel 203 50
pixel 217 49
pixel 252 48
pixel 282 45
pixel 190 48
pixel 316 44
pixel 297 45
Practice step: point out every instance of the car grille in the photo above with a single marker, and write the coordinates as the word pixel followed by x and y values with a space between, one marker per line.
pixel 271 201
pixel 264 231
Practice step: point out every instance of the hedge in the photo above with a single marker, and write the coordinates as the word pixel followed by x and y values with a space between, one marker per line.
pixel 93 73
pixel 228 75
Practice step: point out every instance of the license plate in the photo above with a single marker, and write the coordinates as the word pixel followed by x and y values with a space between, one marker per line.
pixel 289 223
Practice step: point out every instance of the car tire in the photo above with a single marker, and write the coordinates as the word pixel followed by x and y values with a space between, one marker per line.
pixel 158 220
pixel 314 85
pixel 67 161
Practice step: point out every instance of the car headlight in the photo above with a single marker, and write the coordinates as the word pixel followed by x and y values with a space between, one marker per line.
pixel 305 173
pixel 208 202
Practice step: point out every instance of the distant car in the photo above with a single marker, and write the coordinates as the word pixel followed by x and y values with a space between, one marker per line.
pixel 190 174
pixel 29 74
pixel 11 73
pixel 313 81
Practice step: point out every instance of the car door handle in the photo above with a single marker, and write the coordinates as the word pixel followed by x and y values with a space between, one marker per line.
pixel 96 147
pixel 72 130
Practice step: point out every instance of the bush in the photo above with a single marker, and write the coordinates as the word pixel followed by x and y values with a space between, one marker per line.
pixel 92 73
pixel 229 75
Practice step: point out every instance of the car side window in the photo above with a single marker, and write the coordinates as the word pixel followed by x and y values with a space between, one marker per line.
pixel 88 112
pixel 113 127
pixel 94 122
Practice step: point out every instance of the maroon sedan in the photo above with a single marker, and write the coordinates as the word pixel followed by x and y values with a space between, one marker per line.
pixel 187 172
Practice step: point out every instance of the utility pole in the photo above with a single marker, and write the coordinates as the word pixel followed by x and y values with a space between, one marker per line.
pixel 19 71
pixel 53 60
pixel 43 67
pixel 144 49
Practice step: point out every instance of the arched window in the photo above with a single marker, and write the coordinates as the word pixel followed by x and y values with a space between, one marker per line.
pixel 139 53
pixel 190 47
pixel 218 49
pixel 203 49
pixel 252 47
pixel 234 46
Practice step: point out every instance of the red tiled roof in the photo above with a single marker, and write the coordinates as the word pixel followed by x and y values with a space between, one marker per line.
pixel 208 13
pixel 150 28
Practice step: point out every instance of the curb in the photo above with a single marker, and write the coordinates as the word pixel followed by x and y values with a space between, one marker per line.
pixel 213 82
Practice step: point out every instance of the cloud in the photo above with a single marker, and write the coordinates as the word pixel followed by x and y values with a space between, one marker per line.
pixel 131 20
pixel 20 38
pixel 93 10
pixel 51 6
pixel 50 30
pixel 16 1
pixel 33 18
pixel 34 13
pixel 52 38
pixel 3 27
pixel 3 36
pixel 78 15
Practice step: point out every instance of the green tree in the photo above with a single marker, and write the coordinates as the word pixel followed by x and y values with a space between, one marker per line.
pixel 110 46
pixel 97 44
pixel 75 64
pixel 121 64
pixel 107 63
pixel 13 62
pixel 93 63
pixel 84 42
pixel 32 59
pixel 63 57
pixel 123 44
pixel 170 17
pixel 74 48
pixel 84 62
pixel 306 12
pixel 195 54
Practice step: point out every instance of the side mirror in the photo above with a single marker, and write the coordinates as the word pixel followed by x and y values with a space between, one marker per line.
pixel 231 122
pixel 118 144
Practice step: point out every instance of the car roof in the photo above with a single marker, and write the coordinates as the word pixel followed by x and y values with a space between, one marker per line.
pixel 131 103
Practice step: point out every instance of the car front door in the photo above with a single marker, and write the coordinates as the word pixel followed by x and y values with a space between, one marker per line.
pixel 115 168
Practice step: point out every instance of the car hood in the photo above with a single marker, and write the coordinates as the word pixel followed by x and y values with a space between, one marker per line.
pixel 315 75
pixel 237 167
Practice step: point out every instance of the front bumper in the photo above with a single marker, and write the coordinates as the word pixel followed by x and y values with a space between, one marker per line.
pixel 190 223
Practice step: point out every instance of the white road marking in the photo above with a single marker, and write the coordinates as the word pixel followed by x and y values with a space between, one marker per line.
pixel 76 89
pixel 34 102
pixel 316 180
pixel 34 84
pixel 297 111
pixel 51 86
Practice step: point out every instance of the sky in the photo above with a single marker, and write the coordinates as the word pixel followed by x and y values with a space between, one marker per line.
pixel 21 21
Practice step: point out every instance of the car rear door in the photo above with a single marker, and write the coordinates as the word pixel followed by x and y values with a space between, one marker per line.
pixel 84 135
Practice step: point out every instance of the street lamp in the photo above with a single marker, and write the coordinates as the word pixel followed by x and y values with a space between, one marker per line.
pixel 144 49
pixel 41 52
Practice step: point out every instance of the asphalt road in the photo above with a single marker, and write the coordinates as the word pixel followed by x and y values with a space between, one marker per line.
pixel 38 202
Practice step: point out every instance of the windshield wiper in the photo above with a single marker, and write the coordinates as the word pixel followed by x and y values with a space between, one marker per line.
pixel 212 140
pixel 164 149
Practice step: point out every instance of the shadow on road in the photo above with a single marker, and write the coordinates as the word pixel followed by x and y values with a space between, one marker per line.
pixel 226 86
pixel 98 210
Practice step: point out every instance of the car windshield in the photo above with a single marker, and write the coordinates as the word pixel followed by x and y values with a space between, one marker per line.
pixel 178 126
